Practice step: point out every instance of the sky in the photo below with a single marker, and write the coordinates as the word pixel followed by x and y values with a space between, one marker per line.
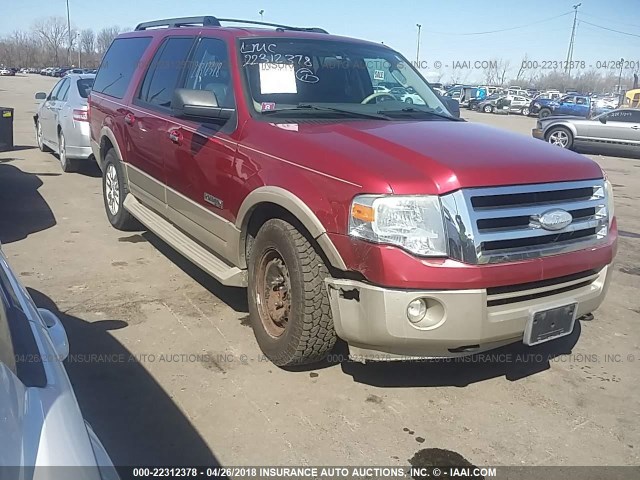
pixel 445 23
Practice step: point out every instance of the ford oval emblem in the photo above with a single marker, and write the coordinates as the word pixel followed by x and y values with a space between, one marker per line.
pixel 556 219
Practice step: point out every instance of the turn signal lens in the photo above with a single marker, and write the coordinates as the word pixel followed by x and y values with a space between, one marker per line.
pixel 363 212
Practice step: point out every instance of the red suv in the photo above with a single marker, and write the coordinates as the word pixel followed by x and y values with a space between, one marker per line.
pixel 269 158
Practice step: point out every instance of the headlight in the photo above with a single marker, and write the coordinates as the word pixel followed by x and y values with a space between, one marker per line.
pixel 608 191
pixel 536 104
pixel 411 222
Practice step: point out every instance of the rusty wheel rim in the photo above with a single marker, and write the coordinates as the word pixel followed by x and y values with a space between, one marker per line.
pixel 273 293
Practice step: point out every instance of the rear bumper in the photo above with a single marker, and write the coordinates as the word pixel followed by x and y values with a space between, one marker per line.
pixel 373 320
pixel 79 152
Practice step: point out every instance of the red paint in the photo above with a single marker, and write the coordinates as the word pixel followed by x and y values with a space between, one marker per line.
pixel 327 164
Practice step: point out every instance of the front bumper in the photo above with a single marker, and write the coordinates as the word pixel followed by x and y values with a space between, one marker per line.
pixel 537 133
pixel 373 320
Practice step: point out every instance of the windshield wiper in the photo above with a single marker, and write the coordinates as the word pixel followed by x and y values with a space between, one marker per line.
pixel 306 107
pixel 411 111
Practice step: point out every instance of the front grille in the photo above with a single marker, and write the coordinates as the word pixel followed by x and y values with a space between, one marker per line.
pixel 502 224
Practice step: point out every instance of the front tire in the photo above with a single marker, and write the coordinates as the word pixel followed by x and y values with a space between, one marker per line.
pixel 40 138
pixel 487 109
pixel 525 111
pixel 544 113
pixel 288 301
pixel 561 137
pixel 114 191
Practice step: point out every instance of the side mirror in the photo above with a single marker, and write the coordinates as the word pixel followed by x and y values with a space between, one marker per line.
pixel 41 96
pixel 603 119
pixel 57 333
pixel 198 104
pixel 452 105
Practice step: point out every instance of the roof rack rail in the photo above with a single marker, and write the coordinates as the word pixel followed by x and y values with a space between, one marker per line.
pixel 210 21
pixel 207 21
pixel 279 27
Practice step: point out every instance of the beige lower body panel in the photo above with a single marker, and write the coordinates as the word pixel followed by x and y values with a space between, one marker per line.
pixel 373 320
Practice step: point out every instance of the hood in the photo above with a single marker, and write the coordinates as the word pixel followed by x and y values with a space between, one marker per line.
pixel 422 157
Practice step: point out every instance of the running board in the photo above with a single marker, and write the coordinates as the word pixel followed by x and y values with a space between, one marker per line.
pixel 186 246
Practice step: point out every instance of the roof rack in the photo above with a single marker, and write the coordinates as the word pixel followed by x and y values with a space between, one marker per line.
pixel 279 27
pixel 209 21
pixel 180 22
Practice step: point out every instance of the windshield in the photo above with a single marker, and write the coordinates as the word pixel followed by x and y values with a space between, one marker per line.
pixel 287 73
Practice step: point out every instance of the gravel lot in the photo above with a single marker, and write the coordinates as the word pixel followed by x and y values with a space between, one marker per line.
pixel 167 371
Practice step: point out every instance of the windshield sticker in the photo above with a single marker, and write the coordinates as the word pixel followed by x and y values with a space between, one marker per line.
pixel 378 75
pixel 277 78
pixel 267 106
pixel 307 76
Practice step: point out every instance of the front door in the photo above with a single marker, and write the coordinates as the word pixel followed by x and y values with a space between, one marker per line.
pixel 47 116
pixel 202 182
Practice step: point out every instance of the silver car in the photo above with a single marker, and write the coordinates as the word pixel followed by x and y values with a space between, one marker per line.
pixel 62 120
pixel 616 130
pixel 40 421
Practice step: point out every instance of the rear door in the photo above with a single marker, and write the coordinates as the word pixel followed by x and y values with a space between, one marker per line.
pixel 150 133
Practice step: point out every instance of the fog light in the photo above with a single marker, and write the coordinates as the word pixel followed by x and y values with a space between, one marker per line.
pixel 416 310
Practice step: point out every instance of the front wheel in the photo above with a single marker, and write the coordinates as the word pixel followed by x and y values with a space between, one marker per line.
pixel 114 191
pixel 40 138
pixel 487 109
pixel 525 111
pixel 288 301
pixel 560 137
pixel 544 113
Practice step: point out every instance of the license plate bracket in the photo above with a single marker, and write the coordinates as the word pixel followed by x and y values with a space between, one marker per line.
pixel 546 325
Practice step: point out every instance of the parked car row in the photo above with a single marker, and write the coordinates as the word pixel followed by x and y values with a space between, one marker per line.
pixel 8 72
pixel 62 71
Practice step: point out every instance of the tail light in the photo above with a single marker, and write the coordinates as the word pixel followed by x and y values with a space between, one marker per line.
pixel 81 115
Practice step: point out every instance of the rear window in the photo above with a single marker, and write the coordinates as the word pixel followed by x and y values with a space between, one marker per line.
pixel 84 87
pixel 119 65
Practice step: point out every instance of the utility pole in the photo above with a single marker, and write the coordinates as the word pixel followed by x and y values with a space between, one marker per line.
pixel 620 77
pixel 418 50
pixel 573 36
pixel 261 12
pixel 69 29
pixel 79 51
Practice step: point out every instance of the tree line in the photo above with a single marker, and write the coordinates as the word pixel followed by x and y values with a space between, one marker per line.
pixel 46 44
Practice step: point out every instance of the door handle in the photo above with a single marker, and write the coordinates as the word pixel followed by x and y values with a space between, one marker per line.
pixel 176 136
pixel 129 119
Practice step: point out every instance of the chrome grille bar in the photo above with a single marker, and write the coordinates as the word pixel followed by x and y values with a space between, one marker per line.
pixel 502 224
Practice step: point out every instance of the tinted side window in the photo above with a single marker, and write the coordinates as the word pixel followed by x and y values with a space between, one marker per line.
pixel 55 90
pixel 209 70
pixel 26 355
pixel 165 71
pixel 7 356
pixel 119 65
pixel 626 116
pixel 64 91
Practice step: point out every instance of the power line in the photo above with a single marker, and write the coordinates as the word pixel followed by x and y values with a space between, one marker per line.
pixel 610 20
pixel 503 29
pixel 609 29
